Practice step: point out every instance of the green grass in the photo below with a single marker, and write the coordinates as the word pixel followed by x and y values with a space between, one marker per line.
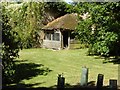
pixel 68 62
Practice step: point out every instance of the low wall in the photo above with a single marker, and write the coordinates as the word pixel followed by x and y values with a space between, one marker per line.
pixel 52 44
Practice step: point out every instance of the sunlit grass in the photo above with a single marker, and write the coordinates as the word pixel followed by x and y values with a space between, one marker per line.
pixel 68 62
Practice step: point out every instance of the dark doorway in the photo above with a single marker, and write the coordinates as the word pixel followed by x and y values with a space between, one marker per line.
pixel 65 39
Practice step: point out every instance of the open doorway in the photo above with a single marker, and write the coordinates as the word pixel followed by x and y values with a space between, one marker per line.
pixel 65 39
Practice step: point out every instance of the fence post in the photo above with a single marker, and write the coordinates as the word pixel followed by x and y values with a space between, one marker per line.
pixel 60 82
pixel 84 77
pixel 113 84
pixel 100 81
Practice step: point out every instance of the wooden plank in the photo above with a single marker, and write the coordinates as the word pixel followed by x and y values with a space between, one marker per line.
pixel 84 77
pixel 60 82
pixel 100 81
pixel 113 84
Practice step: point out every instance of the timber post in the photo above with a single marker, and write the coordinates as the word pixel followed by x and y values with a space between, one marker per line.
pixel 60 82
pixel 113 84
pixel 84 77
pixel 100 81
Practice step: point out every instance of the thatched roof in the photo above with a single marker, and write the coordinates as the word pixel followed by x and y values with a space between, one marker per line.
pixel 68 21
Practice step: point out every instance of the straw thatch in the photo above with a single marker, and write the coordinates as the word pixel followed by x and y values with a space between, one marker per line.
pixel 68 21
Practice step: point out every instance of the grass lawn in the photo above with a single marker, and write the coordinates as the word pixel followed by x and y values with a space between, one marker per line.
pixel 40 67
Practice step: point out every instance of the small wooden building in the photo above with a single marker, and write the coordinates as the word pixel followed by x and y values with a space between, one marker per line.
pixel 58 32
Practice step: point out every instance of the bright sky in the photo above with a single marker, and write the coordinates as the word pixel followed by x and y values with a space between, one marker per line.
pixel 68 1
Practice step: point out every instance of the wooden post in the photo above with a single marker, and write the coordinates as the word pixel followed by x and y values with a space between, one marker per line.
pixel 100 81
pixel 61 82
pixel 113 84
pixel 84 77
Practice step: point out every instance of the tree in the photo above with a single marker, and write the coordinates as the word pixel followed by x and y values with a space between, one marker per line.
pixel 27 21
pixel 10 47
pixel 54 10
pixel 101 30
pixel 17 30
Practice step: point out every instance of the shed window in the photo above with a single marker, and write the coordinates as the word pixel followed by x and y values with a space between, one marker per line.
pixel 56 37
pixel 48 36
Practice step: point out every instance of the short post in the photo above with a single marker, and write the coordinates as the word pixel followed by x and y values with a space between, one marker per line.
pixel 84 77
pixel 60 82
pixel 113 84
pixel 100 81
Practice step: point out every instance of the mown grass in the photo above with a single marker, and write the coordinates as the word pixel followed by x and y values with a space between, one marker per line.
pixel 68 62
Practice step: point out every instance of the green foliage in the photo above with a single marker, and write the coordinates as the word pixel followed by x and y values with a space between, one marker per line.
pixel 26 20
pixel 10 47
pixel 104 38
pixel 20 26
pixel 57 8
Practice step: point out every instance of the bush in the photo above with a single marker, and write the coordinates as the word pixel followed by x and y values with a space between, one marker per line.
pixel 10 48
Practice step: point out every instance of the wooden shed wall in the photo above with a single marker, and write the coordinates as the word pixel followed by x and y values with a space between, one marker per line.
pixel 53 44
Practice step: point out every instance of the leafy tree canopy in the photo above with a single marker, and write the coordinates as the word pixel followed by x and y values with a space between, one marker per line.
pixel 102 29
pixel 25 18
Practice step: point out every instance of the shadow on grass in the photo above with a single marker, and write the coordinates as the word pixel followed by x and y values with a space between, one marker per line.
pixel 109 59
pixel 22 86
pixel 26 71
pixel 29 70
pixel 90 86
pixel 112 60
pixel 67 85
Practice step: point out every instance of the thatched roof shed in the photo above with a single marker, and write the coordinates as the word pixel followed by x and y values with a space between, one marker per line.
pixel 58 32
pixel 68 22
